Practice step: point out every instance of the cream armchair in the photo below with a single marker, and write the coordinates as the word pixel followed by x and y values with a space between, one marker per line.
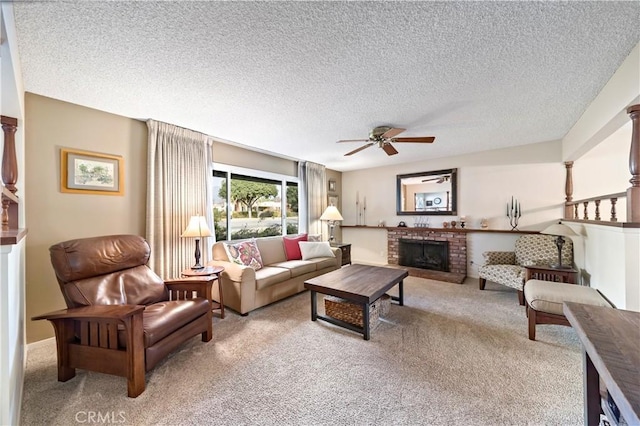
pixel 508 267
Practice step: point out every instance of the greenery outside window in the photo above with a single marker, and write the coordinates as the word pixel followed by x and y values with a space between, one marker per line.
pixel 250 203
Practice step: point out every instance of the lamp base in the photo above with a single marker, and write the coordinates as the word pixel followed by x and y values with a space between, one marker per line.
pixel 197 267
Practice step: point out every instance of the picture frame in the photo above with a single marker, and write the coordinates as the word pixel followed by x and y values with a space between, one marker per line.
pixel 87 172
pixel 333 200
pixel 332 185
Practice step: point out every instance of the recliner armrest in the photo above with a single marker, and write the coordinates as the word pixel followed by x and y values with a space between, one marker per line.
pixel 96 312
pixel 186 286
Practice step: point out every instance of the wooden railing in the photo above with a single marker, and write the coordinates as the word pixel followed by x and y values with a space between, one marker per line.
pixel 9 232
pixel 578 210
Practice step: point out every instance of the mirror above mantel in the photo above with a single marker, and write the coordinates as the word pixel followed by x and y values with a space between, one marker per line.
pixel 427 193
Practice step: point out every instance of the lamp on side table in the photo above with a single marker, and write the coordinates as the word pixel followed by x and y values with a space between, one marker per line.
pixel 197 228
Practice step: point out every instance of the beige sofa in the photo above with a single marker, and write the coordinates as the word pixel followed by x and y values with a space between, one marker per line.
pixel 245 289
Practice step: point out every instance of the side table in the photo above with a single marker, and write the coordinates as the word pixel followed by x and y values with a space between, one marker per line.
pixel 209 271
pixel 346 252
pixel 547 273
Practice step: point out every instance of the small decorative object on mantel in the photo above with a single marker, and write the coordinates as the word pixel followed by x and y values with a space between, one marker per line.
pixel 381 223
pixel 484 223
pixel 445 224
pixel 463 219
pixel 401 224
pixel 453 223
pixel 421 222
pixel 514 212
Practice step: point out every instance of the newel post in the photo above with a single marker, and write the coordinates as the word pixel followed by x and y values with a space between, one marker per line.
pixel 633 193
pixel 9 161
pixel 568 190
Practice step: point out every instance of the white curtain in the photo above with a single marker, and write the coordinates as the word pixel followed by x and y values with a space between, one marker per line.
pixel 179 185
pixel 313 198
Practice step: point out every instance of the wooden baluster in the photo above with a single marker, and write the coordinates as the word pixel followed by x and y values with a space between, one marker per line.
pixel 597 209
pixel 576 214
pixel 586 214
pixel 9 161
pixel 633 193
pixel 613 210
pixel 4 215
pixel 568 189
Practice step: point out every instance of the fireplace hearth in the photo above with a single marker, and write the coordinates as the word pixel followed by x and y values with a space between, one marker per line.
pixel 425 254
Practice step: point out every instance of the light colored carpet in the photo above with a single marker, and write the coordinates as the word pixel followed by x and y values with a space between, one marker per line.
pixel 452 355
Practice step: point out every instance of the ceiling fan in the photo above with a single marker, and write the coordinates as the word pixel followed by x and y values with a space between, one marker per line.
pixel 440 179
pixel 383 136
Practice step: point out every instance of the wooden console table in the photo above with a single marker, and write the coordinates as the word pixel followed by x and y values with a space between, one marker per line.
pixel 611 341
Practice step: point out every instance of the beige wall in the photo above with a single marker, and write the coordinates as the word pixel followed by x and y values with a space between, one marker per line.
pixel 53 216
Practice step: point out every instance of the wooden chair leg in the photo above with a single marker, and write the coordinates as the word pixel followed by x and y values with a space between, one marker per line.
pixel 482 282
pixel 208 334
pixel 521 297
pixel 532 324
pixel 64 336
pixel 135 356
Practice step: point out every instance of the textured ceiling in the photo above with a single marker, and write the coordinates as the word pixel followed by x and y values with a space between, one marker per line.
pixel 295 77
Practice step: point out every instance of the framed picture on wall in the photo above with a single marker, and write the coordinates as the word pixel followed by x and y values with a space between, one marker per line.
pixel 332 185
pixel 333 200
pixel 85 172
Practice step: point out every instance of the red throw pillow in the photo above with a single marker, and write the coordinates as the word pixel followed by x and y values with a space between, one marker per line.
pixel 292 248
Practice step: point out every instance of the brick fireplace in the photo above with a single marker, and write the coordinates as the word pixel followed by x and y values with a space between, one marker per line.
pixel 456 240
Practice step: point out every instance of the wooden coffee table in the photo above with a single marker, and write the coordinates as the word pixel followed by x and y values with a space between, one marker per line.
pixel 360 284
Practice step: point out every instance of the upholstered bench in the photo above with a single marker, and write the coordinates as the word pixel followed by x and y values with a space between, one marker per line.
pixel 544 301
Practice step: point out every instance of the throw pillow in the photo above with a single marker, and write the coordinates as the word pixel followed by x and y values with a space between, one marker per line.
pixel 314 237
pixel 291 247
pixel 244 253
pixel 310 250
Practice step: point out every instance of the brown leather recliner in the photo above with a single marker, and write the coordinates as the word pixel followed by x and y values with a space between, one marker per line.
pixel 122 318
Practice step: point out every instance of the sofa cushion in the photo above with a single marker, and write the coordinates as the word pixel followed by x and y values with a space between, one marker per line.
pixel 245 253
pixel 291 246
pixel 272 250
pixel 312 250
pixel 323 262
pixel 270 275
pixel 297 267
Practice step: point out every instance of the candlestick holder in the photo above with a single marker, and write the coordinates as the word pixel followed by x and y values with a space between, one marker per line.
pixel 514 212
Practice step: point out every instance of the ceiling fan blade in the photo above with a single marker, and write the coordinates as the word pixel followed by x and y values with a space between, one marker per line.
pixel 418 139
pixel 392 132
pixel 389 149
pixel 353 140
pixel 359 149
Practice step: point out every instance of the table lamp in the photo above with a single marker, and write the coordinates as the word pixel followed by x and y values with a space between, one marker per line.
pixel 332 215
pixel 197 228
pixel 560 231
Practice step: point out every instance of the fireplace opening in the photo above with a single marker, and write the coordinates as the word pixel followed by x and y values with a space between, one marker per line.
pixel 425 254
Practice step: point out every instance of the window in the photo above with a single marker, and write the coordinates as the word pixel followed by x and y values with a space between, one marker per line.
pixel 249 203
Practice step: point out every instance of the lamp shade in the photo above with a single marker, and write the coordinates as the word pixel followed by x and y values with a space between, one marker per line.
pixel 331 213
pixel 197 228
pixel 559 229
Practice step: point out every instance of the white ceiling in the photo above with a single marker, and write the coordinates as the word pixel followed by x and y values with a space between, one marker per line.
pixel 295 77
